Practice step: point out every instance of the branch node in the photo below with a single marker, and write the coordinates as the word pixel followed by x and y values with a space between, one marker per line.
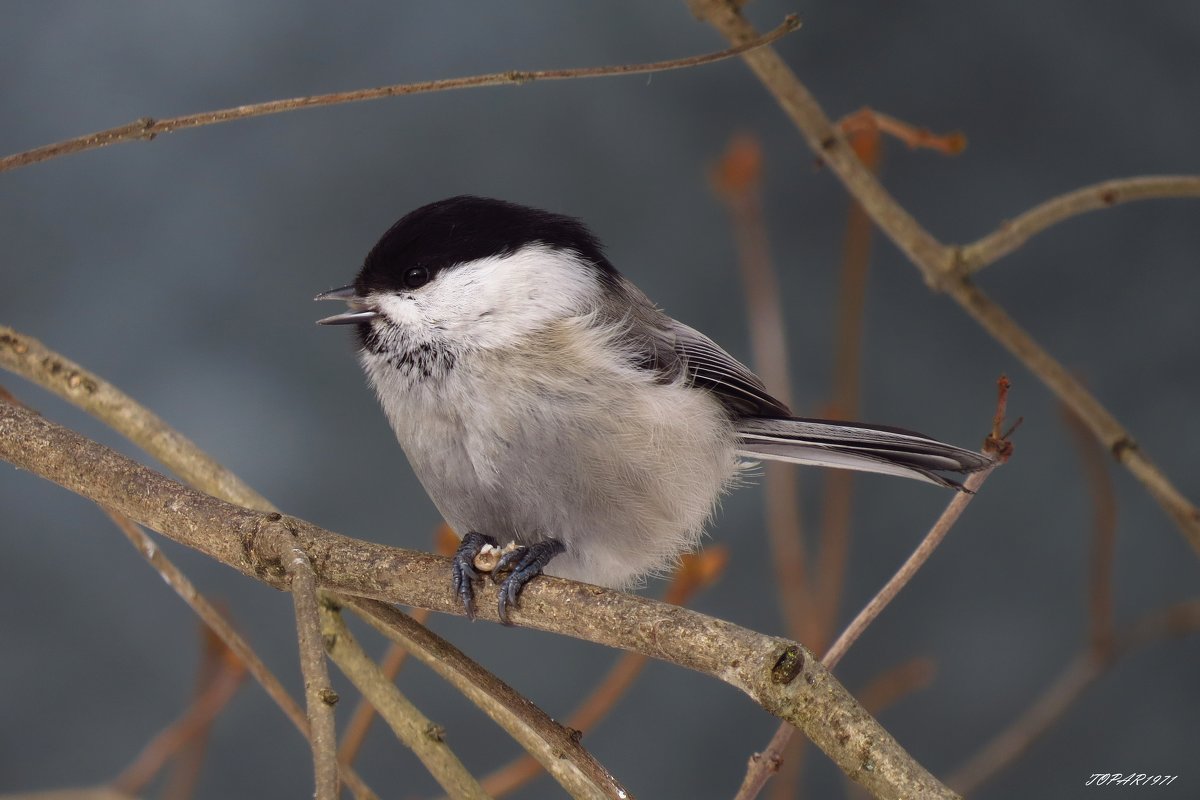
pixel 329 697
pixel 266 544
pixel 789 664
pixel 147 125
pixel 1122 446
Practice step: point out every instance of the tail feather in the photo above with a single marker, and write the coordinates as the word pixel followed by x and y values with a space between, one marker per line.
pixel 855 446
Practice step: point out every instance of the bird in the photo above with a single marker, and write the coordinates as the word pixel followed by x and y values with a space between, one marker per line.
pixel 544 401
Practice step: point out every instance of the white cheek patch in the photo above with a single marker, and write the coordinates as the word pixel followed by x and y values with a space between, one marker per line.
pixel 494 301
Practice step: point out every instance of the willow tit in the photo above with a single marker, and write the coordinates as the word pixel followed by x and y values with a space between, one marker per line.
pixel 543 399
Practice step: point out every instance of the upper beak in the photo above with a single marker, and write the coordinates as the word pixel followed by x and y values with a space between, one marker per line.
pixel 359 311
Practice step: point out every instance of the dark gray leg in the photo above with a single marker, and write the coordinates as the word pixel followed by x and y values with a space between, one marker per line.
pixel 526 563
pixel 463 568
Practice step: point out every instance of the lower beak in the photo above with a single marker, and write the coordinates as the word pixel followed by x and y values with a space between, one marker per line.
pixel 359 311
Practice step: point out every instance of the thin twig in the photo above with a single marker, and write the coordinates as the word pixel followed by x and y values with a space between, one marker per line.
pixel 220 689
pixel 220 626
pixel 1016 232
pixel 779 675
pixel 891 685
pixel 924 550
pixel 554 746
pixel 35 362
pixel 695 571
pixel 147 128
pixel 364 713
pixel 872 123
pixel 1081 672
pixel 414 729
pixel 939 263
pixel 319 695
pixel 834 542
pixel 765 764
pixel 1104 534
pixel 189 761
pixel 737 181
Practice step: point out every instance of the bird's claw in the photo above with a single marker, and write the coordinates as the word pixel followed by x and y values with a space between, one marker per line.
pixel 524 563
pixel 462 568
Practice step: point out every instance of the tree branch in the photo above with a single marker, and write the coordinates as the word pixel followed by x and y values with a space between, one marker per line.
pixel 939 263
pixel 1016 232
pixel 318 691
pixel 411 727
pixel 880 601
pixel 44 366
pixel 147 128
pixel 35 362
pixel 1005 747
pixel 221 627
pixel 781 676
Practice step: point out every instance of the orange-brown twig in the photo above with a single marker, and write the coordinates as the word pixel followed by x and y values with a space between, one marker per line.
pixel 737 181
pixel 171 741
pixel 943 266
pixel 1104 534
pixel 868 120
pixel 890 686
pixel 1004 748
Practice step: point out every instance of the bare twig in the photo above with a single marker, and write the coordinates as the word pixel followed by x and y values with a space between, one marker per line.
pixel 318 691
pixel 939 263
pixel 909 568
pixel 1014 233
pixel 834 542
pixel 555 747
pixel 1003 749
pixel 35 362
pixel 871 122
pixel 217 623
pixel 217 660
pixel 221 687
pixel 780 675
pixel 1104 534
pixel 147 128
pixel 414 729
pixel 364 713
pixel 695 571
pixel 889 686
pixel 737 181
pixel 765 764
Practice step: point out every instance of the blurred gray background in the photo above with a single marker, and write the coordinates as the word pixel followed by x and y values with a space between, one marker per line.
pixel 183 271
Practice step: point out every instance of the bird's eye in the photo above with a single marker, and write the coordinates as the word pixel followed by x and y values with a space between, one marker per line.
pixel 416 277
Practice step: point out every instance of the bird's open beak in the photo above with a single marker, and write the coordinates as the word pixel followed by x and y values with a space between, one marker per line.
pixel 359 310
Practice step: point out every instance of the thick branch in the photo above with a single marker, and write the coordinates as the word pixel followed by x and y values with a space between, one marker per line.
pixel 147 128
pixel 781 676
pixel 35 362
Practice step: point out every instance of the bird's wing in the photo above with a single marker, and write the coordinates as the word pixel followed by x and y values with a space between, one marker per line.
pixel 766 428
pixel 710 367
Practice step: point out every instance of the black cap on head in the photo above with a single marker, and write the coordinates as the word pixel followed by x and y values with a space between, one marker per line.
pixel 464 228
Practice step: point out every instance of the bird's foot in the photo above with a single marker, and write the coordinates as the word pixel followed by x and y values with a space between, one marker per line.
pixel 462 568
pixel 526 563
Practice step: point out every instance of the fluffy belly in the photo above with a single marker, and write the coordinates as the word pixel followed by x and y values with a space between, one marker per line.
pixel 626 481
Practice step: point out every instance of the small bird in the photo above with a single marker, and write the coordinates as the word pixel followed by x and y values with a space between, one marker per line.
pixel 543 400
